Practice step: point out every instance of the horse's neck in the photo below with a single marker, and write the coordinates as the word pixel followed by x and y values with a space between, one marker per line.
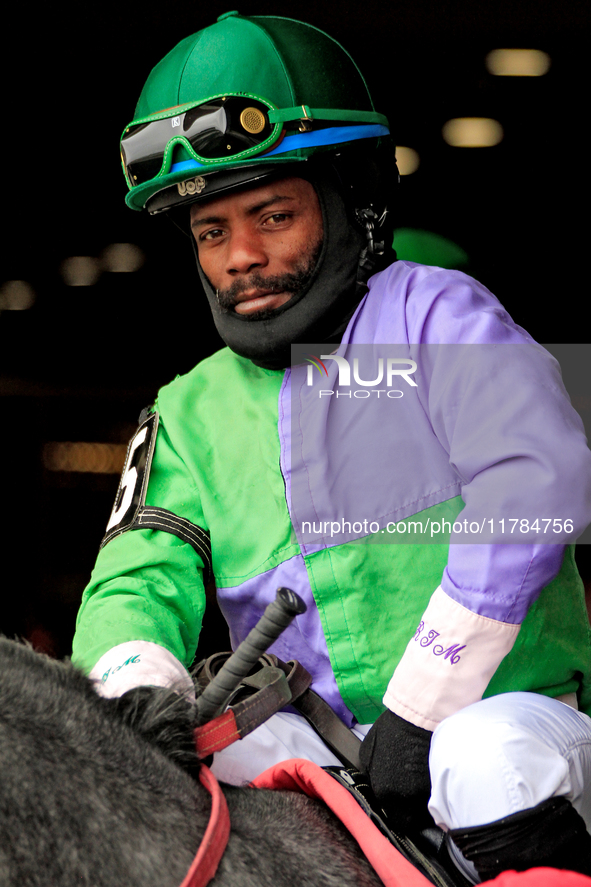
pixel 280 838
pixel 86 799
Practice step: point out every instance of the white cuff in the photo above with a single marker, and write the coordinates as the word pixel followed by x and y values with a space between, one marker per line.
pixel 448 663
pixel 136 664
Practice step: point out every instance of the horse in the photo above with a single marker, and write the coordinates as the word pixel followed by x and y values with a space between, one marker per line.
pixel 98 792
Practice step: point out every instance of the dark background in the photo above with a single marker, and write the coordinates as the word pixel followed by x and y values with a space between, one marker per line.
pixel 81 363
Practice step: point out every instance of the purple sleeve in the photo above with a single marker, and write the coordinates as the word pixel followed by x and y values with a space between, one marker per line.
pixel 497 404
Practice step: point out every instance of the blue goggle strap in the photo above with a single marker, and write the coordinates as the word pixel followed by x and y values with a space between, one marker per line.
pixel 333 135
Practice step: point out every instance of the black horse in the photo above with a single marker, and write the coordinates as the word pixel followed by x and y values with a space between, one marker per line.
pixel 99 793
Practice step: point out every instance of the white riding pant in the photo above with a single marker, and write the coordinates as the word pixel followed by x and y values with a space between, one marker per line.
pixel 506 754
pixel 283 736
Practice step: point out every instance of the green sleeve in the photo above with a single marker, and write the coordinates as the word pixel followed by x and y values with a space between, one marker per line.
pixel 147 584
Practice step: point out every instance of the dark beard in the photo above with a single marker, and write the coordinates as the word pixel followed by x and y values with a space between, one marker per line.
pixel 292 282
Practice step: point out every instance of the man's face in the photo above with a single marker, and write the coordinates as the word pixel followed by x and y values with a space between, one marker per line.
pixel 259 247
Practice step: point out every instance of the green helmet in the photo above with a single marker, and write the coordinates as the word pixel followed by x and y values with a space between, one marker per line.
pixel 240 100
pixel 254 97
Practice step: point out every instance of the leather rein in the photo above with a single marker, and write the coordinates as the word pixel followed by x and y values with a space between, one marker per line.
pixel 215 839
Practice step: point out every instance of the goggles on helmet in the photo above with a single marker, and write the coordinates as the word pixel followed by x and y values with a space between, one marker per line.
pixel 228 128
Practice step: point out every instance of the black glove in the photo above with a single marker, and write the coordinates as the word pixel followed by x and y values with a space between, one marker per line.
pixel 395 756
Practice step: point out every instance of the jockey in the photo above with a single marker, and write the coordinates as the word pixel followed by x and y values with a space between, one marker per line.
pixel 379 436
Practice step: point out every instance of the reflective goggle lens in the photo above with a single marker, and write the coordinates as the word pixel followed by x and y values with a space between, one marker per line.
pixel 220 128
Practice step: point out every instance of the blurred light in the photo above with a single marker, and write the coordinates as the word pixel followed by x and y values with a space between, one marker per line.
pixel 94 458
pixel 428 248
pixel 407 160
pixel 122 257
pixel 80 270
pixel 472 132
pixel 517 62
pixel 16 295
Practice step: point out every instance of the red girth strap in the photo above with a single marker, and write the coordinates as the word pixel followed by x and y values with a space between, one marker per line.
pixel 215 839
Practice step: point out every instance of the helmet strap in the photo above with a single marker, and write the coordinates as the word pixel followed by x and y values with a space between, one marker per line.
pixel 373 251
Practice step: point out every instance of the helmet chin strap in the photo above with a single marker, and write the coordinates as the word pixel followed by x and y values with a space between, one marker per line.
pixel 321 311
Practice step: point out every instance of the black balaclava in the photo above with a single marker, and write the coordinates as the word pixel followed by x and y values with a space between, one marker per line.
pixel 319 313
